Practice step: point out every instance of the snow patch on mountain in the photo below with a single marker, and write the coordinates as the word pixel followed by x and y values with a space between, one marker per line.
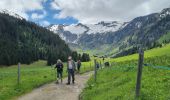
pixel 165 12
pixel 53 28
pixel 101 27
pixel 75 29
pixel 11 14
pixel 104 27
pixel 72 33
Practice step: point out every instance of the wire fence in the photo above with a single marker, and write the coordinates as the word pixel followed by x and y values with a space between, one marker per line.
pixel 9 76
pixel 157 67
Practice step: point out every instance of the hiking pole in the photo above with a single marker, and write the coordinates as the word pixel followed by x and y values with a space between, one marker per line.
pixel 55 73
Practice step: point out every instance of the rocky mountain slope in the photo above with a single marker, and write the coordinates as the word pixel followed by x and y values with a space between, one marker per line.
pixel 73 33
pixel 116 37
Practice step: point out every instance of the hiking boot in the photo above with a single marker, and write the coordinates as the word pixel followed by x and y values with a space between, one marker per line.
pixel 67 83
pixel 57 82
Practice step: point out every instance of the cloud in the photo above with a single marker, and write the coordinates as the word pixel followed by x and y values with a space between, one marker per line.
pixel 37 16
pixel 92 11
pixel 45 23
pixel 21 6
pixel 57 16
pixel 54 5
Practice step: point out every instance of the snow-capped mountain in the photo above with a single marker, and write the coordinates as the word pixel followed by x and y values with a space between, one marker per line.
pixel 72 33
pixel 11 14
pixel 117 36
pixel 165 12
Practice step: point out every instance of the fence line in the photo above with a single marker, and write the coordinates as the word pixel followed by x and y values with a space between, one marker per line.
pixel 158 67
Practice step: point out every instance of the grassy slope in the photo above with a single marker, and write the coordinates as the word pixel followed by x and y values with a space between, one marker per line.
pixel 148 54
pixel 105 49
pixel 165 37
pixel 38 73
pixel 32 76
pixel 118 82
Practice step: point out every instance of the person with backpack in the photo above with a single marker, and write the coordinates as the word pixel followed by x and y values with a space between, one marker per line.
pixel 71 68
pixel 97 65
pixel 78 65
pixel 59 66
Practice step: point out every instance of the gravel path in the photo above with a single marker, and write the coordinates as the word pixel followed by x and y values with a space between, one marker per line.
pixel 59 91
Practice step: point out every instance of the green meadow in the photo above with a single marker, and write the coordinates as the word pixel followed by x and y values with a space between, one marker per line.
pixel 118 81
pixel 32 76
pixel 148 54
pixel 114 83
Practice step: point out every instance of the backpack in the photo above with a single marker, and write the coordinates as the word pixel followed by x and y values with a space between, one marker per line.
pixel 59 66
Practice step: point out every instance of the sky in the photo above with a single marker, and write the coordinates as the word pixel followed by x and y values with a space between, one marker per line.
pixel 47 12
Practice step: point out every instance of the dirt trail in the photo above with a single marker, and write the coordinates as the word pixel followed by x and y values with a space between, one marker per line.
pixel 59 91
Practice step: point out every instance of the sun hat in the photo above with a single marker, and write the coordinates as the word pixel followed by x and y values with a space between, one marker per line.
pixel 58 61
pixel 69 58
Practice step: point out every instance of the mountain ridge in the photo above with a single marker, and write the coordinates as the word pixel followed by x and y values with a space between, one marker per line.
pixel 149 28
pixel 80 29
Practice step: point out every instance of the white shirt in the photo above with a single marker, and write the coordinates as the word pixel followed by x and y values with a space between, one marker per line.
pixel 70 66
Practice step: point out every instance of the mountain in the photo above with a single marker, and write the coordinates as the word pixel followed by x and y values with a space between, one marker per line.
pixel 117 38
pixel 26 42
pixel 73 33
pixel 144 31
pixel 10 13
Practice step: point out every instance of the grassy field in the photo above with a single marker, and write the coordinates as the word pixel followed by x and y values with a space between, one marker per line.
pixel 148 54
pixel 32 76
pixel 118 82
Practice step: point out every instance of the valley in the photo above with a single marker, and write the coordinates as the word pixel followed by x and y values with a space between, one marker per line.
pixel 33 42
pixel 114 37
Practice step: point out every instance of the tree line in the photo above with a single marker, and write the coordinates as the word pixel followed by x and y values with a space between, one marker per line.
pixel 83 57
pixel 26 42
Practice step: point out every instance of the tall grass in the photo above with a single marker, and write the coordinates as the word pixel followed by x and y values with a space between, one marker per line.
pixel 118 82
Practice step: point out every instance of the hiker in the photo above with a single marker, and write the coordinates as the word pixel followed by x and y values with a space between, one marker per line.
pixel 59 66
pixel 70 69
pixel 97 65
pixel 78 65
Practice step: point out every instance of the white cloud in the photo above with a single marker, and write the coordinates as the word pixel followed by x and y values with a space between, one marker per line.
pixel 37 16
pixel 56 16
pixel 21 6
pixel 45 23
pixel 92 11
pixel 54 5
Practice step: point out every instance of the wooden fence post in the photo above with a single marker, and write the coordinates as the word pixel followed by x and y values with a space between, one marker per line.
pixel 139 73
pixel 51 70
pixel 100 65
pixel 18 81
pixel 90 66
pixel 95 70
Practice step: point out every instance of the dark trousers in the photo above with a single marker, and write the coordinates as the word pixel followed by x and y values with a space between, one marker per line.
pixel 70 75
pixel 59 75
pixel 78 68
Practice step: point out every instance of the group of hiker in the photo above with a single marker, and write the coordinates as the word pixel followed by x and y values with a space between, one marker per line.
pixel 71 68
